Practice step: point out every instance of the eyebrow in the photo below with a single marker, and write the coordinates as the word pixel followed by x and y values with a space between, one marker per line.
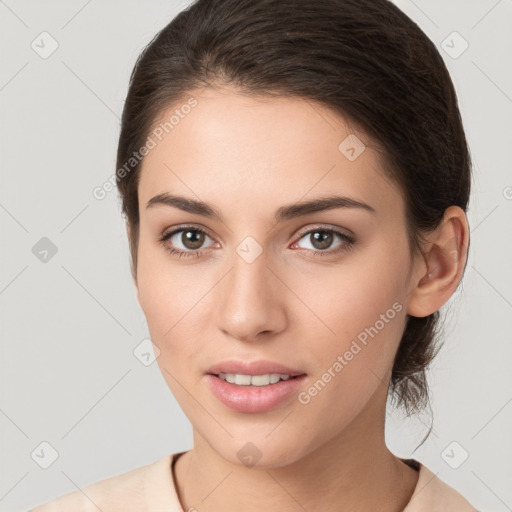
pixel 285 212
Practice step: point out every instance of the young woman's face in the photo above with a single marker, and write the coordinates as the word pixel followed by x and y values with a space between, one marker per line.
pixel 259 286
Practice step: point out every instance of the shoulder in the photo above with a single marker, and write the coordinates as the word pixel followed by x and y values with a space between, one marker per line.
pixel 125 492
pixel 431 494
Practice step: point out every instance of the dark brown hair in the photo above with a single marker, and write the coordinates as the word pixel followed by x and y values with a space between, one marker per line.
pixel 365 60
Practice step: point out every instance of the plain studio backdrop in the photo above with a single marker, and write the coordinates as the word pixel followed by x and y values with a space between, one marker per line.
pixel 78 401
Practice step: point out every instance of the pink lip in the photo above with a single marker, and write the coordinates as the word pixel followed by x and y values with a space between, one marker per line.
pixel 254 399
pixel 259 367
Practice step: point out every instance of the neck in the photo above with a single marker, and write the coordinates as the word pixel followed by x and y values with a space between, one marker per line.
pixel 354 471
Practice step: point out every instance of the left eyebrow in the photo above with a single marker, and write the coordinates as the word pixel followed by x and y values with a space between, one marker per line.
pixel 317 205
pixel 285 212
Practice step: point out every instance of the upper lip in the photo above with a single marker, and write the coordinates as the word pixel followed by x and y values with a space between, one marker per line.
pixel 259 367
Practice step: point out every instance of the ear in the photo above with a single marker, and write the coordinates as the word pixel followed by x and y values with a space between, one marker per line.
pixel 444 258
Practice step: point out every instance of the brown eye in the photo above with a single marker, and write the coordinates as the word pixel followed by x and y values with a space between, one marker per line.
pixel 192 239
pixel 186 241
pixel 322 239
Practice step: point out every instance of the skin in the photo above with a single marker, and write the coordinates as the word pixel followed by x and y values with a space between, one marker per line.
pixel 248 157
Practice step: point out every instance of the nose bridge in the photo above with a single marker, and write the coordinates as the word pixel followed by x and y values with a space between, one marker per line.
pixel 250 300
pixel 250 273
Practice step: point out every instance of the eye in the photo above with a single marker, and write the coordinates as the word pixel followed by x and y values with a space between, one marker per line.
pixel 322 239
pixel 185 241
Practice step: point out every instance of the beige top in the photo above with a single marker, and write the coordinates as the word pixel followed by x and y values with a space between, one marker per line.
pixel 151 488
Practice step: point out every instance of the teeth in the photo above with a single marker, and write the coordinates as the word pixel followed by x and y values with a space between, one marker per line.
pixel 230 377
pixel 243 380
pixel 253 380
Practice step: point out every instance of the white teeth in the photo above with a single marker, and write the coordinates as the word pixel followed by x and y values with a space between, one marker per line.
pixel 253 380
pixel 274 377
pixel 243 380
pixel 262 380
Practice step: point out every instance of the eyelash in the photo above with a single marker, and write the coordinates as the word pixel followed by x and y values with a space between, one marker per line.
pixel 348 241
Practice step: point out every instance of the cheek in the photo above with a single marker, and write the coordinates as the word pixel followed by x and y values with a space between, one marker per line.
pixel 174 301
pixel 348 299
pixel 165 289
pixel 359 317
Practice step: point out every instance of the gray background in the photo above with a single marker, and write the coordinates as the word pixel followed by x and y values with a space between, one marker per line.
pixel 70 324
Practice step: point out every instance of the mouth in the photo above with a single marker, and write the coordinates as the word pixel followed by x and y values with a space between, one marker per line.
pixel 254 386
pixel 256 373
pixel 267 379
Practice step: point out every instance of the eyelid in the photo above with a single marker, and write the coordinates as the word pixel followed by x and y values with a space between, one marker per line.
pixel 184 227
pixel 327 227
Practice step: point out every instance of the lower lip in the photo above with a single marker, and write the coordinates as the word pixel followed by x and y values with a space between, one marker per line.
pixel 253 399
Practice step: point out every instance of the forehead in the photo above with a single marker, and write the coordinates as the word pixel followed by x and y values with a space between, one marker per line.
pixel 233 150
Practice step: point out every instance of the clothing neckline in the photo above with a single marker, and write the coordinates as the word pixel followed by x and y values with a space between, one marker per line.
pixel 413 463
pixel 430 492
pixel 175 457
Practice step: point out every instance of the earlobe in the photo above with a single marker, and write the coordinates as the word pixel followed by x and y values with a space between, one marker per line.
pixel 445 257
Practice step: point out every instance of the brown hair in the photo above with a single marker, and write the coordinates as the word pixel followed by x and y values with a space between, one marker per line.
pixel 365 60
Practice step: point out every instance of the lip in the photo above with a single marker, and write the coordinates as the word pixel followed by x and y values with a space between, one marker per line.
pixel 258 367
pixel 254 399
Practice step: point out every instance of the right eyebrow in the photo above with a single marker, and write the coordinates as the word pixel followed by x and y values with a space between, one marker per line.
pixel 186 204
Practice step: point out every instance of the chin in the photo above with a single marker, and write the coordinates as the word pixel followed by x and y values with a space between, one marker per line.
pixel 260 451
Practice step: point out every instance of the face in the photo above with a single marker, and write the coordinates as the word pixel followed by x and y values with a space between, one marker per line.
pixel 322 291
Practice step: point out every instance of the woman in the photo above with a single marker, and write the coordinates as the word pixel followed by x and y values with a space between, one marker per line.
pixel 294 177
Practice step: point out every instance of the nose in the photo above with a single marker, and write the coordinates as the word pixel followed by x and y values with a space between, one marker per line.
pixel 251 300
